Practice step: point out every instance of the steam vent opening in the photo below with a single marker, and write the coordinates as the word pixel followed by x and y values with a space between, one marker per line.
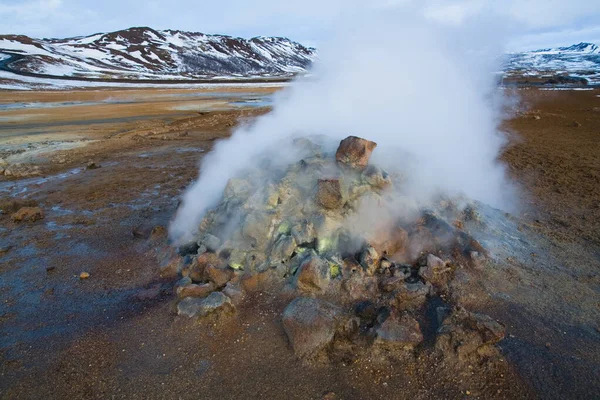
pixel 360 267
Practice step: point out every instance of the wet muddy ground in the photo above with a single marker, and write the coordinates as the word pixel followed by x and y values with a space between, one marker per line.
pixel 115 334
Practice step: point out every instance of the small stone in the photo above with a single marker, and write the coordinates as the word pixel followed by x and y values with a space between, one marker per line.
pixel 28 214
pixel 369 258
pixel 92 165
pixel 216 302
pixel 195 290
pixel 376 177
pixel 84 275
pixel 234 292
pixel 355 152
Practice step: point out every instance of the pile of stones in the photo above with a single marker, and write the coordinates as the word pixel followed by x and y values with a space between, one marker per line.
pixel 300 230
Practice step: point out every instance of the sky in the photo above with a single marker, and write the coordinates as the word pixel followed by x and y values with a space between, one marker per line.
pixel 532 24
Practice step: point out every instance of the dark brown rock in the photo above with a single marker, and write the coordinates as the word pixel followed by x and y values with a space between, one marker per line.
pixel 355 152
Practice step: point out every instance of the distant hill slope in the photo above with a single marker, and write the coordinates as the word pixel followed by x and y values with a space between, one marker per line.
pixel 145 53
pixel 579 60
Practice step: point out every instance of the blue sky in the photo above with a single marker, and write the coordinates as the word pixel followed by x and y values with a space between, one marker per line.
pixel 533 23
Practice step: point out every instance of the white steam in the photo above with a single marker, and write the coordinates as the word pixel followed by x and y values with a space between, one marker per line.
pixel 423 91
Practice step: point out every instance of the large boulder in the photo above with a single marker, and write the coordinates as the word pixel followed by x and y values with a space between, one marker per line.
pixel 355 152
pixel 311 324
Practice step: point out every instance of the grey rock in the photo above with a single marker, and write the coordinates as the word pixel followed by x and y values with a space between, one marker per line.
pixel 310 325
pixel 201 307
pixel 399 330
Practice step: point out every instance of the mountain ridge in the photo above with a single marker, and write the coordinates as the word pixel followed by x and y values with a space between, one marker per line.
pixel 146 53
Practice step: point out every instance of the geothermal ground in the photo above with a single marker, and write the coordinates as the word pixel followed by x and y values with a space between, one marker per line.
pixel 106 169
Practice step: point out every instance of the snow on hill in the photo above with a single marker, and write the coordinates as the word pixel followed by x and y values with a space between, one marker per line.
pixel 144 53
pixel 579 60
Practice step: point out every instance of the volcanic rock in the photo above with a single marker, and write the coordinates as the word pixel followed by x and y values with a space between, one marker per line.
pixel 410 296
pixel 399 331
pixel 216 302
pixel 313 275
pixel 329 194
pixel 195 290
pixel 257 227
pixel 219 275
pixel 465 336
pixel 436 271
pixel 283 249
pixel 28 214
pixel 310 325
pixel 376 177
pixel 198 269
pixel 234 292
pixel 355 152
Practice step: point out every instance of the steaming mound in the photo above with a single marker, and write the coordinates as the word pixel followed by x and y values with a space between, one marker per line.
pixel 364 262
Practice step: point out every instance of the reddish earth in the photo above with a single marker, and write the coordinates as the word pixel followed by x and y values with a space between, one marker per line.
pixel 115 334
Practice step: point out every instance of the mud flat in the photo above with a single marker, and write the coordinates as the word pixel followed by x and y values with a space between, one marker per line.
pixel 116 333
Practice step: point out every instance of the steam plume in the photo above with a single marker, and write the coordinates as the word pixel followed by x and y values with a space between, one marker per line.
pixel 424 91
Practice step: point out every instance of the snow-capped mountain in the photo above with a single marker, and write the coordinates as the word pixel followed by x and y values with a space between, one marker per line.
pixel 577 61
pixel 145 53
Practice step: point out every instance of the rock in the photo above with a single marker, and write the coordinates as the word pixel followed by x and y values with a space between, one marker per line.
pixel 84 275
pixel 355 152
pixel 200 264
pixel 436 272
pixel 234 292
pixel 310 325
pixel 254 282
pixel 376 177
pixel 411 295
pixel 195 290
pixel 237 189
pixel 210 242
pixel 219 275
pixel 283 249
pixel 92 165
pixel 360 287
pixel 369 258
pixel 465 336
pixel 313 275
pixel 329 194
pixel 215 303
pixel 158 232
pixel 257 227
pixel 399 331
pixel 303 233
pixel 28 214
